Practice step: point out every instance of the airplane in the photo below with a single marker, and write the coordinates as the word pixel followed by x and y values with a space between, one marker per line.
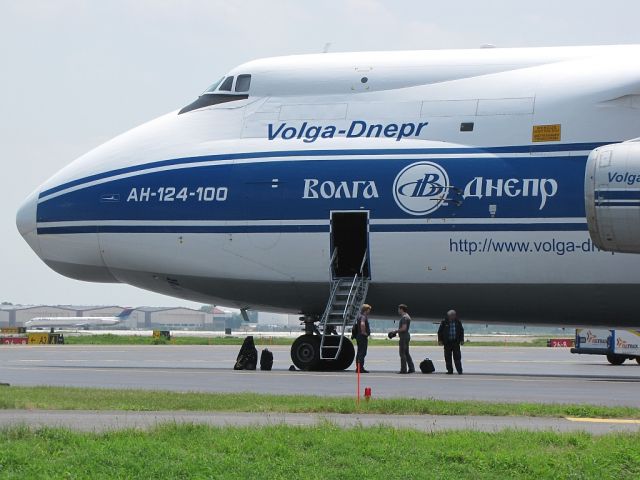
pixel 502 182
pixel 77 322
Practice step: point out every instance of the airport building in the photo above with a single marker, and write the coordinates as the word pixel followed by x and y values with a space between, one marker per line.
pixel 277 321
pixel 180 318
pixel 162 318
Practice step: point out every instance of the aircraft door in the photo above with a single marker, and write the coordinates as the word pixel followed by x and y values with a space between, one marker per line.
pixel 350 243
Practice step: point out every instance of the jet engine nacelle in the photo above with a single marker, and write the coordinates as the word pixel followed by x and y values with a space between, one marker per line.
pixel 612 197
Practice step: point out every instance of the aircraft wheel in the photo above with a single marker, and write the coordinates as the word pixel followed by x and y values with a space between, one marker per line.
pixel 347 355
pixel 305 352
pixel 615 359
pixel 344 360
pixel 638 360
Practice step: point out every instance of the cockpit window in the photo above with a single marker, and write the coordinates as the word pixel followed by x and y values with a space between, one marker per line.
pixel 217 93
pixel 243 83
pixel 226 85
pixel 213 87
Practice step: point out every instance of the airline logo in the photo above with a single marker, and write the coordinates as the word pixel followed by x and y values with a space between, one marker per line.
pixel 621 343
pixel 309 133
pixel 314 188
pixel 625 178
pixel 421 188
pixel 592 338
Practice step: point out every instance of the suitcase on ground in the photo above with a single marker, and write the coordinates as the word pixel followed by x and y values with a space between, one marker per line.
pixel 266 360
pixel 426 366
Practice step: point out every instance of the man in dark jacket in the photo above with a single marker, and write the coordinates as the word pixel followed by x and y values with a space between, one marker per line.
pixel 451 335
pixel 363 332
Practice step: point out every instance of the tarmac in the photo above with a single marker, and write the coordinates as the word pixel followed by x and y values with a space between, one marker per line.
pixel 496 374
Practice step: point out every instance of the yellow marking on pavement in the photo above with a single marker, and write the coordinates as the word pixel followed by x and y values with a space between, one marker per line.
pixel 604 420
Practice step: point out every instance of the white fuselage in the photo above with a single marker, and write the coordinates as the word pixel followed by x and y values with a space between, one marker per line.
pixel 57 322
pixel 469 166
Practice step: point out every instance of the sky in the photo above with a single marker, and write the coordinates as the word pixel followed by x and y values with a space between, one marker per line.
pixel 74 74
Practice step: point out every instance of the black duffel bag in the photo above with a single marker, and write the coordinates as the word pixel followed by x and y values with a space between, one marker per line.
pixel 426 366
pixel 266 360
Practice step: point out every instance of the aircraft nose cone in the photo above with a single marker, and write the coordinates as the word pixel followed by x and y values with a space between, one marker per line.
pixel 26 216
pixel 26 221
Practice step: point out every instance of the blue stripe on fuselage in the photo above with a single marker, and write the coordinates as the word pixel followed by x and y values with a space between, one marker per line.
pixel 278 191
pixel 547 148
pixel 523 227
pixel 618 194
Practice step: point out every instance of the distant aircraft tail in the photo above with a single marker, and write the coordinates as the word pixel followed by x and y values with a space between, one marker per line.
pixel 124 313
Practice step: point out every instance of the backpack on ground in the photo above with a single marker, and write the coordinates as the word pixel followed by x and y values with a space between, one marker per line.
pixel 266 360
pixel 426 366
pixel 248 356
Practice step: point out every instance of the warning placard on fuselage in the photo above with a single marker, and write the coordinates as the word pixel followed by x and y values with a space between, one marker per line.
pixel 546 133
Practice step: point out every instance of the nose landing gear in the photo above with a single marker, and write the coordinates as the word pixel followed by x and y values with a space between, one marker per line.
pixel 305 354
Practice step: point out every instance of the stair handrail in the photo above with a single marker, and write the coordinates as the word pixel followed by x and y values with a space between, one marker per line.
pixel 364 261
pixel 349 301
pixel 332 295
pixel 357 292
pixel 334 257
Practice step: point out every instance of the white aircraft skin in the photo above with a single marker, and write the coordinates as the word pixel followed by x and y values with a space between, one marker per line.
pixel 61 322
pixel 230 203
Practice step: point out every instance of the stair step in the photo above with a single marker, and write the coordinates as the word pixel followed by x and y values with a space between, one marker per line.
pixel 341 313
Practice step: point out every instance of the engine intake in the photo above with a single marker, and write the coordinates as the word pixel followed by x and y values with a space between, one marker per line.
pixel 612 197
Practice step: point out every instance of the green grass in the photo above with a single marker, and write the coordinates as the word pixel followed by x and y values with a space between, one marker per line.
pixel 323 452
pixel 110 339
pixel 64 398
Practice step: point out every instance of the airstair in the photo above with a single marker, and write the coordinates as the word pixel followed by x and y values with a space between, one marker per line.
pixel 347 296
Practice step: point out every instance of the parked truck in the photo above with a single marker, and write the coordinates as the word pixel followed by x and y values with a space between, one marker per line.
pixel 617 345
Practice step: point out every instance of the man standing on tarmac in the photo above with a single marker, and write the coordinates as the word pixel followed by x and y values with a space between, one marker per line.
pixel 363 331
pixel 405 337
pixel 451 335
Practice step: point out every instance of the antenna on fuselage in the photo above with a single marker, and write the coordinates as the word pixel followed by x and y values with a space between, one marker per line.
pixel 326 48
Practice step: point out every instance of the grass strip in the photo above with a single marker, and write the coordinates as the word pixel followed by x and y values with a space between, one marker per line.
pixel 110 339
pixel 322 452
pixel 67 398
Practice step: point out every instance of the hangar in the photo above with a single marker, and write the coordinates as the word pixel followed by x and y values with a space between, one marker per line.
pixel 180 318
pixel 165 318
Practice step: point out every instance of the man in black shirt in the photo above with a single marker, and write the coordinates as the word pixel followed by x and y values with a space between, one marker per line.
pixel 451 335
pixel 363 331
pixel 405 337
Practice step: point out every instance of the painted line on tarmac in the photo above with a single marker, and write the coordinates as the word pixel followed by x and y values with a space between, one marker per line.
pixel 197 372
pixel 567 362
pixel 515 378
pixel 625 421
